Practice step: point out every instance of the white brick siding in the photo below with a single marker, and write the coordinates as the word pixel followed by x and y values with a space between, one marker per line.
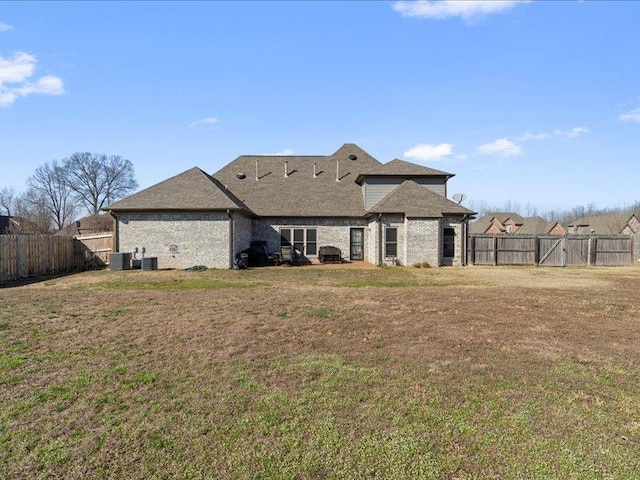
pixel 242 232
pixel 397 221
pixel 178 239
pixel 423 241
pixel 330 231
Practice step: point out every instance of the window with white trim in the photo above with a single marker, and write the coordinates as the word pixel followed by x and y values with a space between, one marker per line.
pixel 305 240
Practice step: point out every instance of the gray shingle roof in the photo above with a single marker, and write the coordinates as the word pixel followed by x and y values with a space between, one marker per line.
pixel 418 201
pixel 300 193
pixel 190 190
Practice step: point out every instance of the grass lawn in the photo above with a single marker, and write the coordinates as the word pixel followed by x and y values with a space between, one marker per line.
pixel 313 373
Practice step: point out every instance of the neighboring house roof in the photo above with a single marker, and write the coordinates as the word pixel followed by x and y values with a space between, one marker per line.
pixel 5 221
pixel 98 222
pixel 300 194
pixel 418 201
pixel 612 223
pixel 400 168
pixel 524 225
pixel 191 190
pixel 483 223
pixel 535 225
pixel 13 225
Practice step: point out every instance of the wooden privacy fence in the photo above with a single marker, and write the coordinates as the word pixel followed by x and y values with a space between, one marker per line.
pixel 23 256
pixel 94 248
pixel 554 250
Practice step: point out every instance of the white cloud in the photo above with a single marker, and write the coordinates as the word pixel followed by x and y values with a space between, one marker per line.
pixel 205 121
pixel 15 79
pixel 286 152
pixel 631 116
pixel 573 133
pixel 4 27
pixel 502 147
pixel 426 152
pixel 532 136
pixel 469 10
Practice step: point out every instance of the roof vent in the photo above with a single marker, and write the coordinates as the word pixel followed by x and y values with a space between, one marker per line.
pixel 352 157
pixel 241 175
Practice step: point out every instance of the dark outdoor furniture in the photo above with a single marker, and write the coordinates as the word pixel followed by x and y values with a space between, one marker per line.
pixel 289 256
pixel 329 254
pixel 257 255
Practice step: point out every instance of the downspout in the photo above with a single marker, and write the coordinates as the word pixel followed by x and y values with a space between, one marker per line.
pixel 231 243
pixel 379 222
pixel 440 238
pixel 465 250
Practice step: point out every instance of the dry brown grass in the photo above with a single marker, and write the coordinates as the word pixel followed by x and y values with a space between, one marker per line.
pixel 322 373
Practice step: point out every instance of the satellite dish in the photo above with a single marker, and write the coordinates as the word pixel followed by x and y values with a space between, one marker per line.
pixel 352 157
pixel 459 197
pixel 241 175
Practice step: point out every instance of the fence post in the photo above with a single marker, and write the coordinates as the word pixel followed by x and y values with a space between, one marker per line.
pixel 473 250
pixel 495 250
pixel 536 253
pixel 563 252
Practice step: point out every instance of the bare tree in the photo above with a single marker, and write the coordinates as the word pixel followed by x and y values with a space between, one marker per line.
pixel 48 191
pixel 98 179
pixel 8 200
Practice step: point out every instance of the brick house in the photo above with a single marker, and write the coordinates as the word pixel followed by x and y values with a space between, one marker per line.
pixel 509 222
pixel 612 223
pixel 381 213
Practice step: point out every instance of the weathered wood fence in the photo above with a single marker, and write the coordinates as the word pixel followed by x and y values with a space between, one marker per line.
pixel 23 256
pixel 94 247
pixel 554 250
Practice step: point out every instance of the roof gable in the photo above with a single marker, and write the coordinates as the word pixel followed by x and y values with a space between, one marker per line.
pixel 189 190
pixel 416 200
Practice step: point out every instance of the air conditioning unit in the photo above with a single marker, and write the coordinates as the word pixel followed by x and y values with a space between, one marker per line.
pixel 120 261
pixel 150 263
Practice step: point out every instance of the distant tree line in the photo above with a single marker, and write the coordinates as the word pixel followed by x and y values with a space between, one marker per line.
pixel 559 215
pixel 59 190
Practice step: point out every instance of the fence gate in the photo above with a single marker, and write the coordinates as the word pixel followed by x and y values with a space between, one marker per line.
pixel 553 250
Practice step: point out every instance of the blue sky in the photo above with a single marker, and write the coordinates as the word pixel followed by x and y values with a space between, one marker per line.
pixel 533 102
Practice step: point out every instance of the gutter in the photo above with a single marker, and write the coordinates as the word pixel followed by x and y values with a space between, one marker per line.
pixel 379 222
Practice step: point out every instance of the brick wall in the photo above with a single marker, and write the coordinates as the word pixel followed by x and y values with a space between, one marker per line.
pixel 397 221
pixel 331 231
pixel 178 239
pixel 242 232
pixel 423 241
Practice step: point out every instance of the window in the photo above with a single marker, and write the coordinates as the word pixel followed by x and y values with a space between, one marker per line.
pixel 305 240
pixel 312 244
pixel 448 242
pixel 391 242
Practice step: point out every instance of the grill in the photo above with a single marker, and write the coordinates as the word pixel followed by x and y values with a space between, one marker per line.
pixel 329 255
